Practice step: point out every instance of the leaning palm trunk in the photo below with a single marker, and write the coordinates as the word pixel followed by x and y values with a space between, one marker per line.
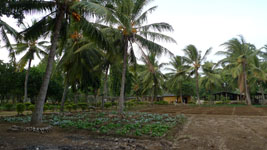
pixel 38 111
pixel 63 99
pixel 87 97
pixel 155 90
pixel 197 87
pixel 76 97
pixel 154 94
pixel 262 94
pixel 123 78
pixel 246 85
pixel 105 87
pixel 181 93
pixel 26 82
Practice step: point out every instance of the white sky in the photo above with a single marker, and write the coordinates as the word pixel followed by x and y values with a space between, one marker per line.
pixel 205 23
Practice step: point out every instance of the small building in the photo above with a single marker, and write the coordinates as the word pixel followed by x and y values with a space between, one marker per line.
pixel 228 96
pixel 171 98
pixel 257 98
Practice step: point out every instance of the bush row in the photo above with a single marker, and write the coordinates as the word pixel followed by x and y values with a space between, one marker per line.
pixel 20 107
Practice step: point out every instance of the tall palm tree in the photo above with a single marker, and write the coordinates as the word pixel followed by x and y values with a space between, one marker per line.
pixel 138 85
pixel 30 48
pixel 57 20
pixel 80 61
pixel 128 18
pixel 211 78
pixel 194 58
pixel 238 55
pixel 259 74
pixel 178 73
pixel 152 76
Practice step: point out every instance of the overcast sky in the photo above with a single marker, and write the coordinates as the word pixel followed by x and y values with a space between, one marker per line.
pixel 206 23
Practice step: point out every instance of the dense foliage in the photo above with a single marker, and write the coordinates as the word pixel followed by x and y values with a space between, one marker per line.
pixel 12 84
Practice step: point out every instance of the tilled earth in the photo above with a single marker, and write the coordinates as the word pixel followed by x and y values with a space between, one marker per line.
pixel 207 128
pixel 61 139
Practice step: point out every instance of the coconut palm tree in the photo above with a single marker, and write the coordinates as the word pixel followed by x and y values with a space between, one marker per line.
pixel 80 61
pixel 152 76
pixel 211 78
pixel 138 85
pixel 194 58
pixel 128 18
pixel 178 73
pixel 238 55
pixel 30 48
pixel 259 74
pixel 57 21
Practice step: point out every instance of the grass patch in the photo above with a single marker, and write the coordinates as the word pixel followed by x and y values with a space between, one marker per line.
pixel 111 123
pixel 259 106
pixel 217 105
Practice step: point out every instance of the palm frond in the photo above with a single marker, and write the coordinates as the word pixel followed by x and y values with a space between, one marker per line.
pixel 40 28
pixel 143 17
pixel 159 27
pixel 152 46
pixel 157 36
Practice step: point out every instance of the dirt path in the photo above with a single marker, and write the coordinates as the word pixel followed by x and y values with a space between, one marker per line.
pixel 208 132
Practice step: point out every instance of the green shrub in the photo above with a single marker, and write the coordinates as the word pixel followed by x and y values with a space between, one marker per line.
pixel 52 107
pixel 161 103
pixel 142 102
pixel 108 104
pixel 130 104
pixel 98 104
pixel 191 102
pixel 31 107
pixel 83 106
pixel 69 107
pixel 57 107
pixel 8 107
pixel 74 107
pixel 46 107
pixel 27 105
pixel 20 108
pixel 237 102
pixel 218 102
pixel 227 102
pixel 114 103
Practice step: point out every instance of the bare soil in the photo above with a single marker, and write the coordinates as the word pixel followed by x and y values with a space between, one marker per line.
pixel 219 128
pixel 207 128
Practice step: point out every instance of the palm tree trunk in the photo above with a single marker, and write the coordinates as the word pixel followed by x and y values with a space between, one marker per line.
pixel 38 111
pixel 123 78
pixel 87 97
pixel 105 87
pixel 262 94
pixel 246 85
pixel 181 93
pixel 76 97
pixel 154 94
pixel 197 87
pixel 26 82
pixel 63 99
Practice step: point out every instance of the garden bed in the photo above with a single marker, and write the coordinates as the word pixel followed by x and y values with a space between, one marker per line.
pixel 133 124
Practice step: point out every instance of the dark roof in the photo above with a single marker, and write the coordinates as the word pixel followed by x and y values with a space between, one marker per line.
pixel 171 95
pixel 258 93
pixel 222 92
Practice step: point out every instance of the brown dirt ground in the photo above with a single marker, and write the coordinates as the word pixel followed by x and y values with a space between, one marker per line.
pixel 207 128
pixel 219 128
